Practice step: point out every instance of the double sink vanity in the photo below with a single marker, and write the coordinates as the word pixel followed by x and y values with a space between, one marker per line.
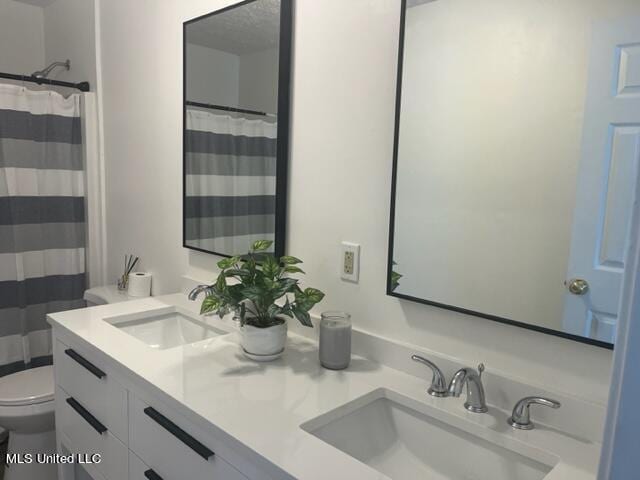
pixel 161 392
pixel 491 215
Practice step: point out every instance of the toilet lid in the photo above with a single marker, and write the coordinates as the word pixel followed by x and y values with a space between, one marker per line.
pixel 27 387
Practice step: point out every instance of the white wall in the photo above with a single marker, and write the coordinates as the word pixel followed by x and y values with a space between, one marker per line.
pixel 248 81
pixel 21 37
pixel 259 81
pixel 69 33
pixel 213 76
pixel 340 176
pixel 31 37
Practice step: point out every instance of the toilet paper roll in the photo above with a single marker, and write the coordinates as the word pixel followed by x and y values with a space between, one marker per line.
pixel 139 284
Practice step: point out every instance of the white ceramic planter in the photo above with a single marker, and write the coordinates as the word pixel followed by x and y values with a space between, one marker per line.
pixel 263 344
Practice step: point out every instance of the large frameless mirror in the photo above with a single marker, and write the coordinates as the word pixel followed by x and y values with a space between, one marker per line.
pixel 236 126
pixel 516 160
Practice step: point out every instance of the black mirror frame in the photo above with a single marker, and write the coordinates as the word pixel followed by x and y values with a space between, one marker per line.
pixel 284 105
pixel 454 308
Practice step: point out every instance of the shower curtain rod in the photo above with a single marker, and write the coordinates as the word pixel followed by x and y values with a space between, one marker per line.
pixel 228 109
pixel 82 86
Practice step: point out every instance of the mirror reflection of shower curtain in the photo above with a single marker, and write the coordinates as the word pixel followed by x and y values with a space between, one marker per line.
pixel 42 219
pixel 230 169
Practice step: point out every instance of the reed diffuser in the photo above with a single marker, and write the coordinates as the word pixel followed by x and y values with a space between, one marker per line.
pixel 129 263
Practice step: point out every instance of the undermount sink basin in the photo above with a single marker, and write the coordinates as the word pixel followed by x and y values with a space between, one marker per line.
pixel 164 328
pixel 381 431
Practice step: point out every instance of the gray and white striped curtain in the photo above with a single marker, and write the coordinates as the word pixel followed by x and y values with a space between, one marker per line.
pixel 42 219
pixel 230 181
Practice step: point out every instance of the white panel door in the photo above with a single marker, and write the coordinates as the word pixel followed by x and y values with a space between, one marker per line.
pixel 606 180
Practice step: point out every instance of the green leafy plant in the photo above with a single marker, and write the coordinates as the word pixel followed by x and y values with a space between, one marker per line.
pixel 395 279
pixel 251 285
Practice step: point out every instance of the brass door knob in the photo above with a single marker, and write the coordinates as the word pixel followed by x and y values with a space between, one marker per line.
pixel 577 286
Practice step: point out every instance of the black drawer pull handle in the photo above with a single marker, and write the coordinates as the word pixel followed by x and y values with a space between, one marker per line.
pixel 177 432
pixel 85 363
pixel 151 475
pixel 84 413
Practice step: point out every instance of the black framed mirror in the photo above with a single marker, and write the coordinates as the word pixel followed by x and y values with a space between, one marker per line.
pixel 237 70
pixel 516 161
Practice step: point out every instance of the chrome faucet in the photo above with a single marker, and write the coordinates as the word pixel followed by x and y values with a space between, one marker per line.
pixel 438 386
pixel 476 402
pixel 193 294
pixel 520 417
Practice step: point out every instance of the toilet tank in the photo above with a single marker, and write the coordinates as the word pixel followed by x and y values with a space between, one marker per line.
pixel 106 294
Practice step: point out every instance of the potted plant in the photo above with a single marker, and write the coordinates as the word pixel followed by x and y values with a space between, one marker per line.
pixel 251 285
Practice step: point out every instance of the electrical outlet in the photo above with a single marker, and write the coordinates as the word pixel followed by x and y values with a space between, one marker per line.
pixel 350 261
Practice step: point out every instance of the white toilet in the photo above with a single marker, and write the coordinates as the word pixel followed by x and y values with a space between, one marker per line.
pixel 26 411
pixel 103 295
pixel 27 406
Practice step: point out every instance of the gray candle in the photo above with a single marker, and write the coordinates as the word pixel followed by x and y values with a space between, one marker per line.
pixel 335 340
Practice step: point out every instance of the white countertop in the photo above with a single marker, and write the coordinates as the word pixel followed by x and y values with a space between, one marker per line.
pixel 262 405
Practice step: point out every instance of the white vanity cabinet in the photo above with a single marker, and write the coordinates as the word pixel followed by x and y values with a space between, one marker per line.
pixel 91 415
pixel 137 438
pixel 169 445
pixel 87 436
pixel 86 380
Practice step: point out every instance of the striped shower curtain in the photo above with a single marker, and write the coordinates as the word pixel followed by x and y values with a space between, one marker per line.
pixel 42 219
pixel 230 173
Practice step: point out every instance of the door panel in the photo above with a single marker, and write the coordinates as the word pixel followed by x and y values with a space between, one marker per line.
pixel 606 180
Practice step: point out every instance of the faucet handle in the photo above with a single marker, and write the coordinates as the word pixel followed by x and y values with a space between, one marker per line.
pixel 193 294
pixel 438 386
pixel 520 417
pixel 480 369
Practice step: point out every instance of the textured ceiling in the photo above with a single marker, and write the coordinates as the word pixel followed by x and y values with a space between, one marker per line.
pixel 248 28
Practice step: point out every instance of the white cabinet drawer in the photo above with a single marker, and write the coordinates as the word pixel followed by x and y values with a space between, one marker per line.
pixel 88 435
pixel 86 380
pixel 138 470
pixel 171 447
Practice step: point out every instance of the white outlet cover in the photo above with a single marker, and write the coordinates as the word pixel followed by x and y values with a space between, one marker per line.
pixel 354 274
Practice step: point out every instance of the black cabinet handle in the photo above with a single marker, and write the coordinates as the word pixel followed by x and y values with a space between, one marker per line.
pixel 151 475
pixel 85 363
pixel 84 413
pixel 177 432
